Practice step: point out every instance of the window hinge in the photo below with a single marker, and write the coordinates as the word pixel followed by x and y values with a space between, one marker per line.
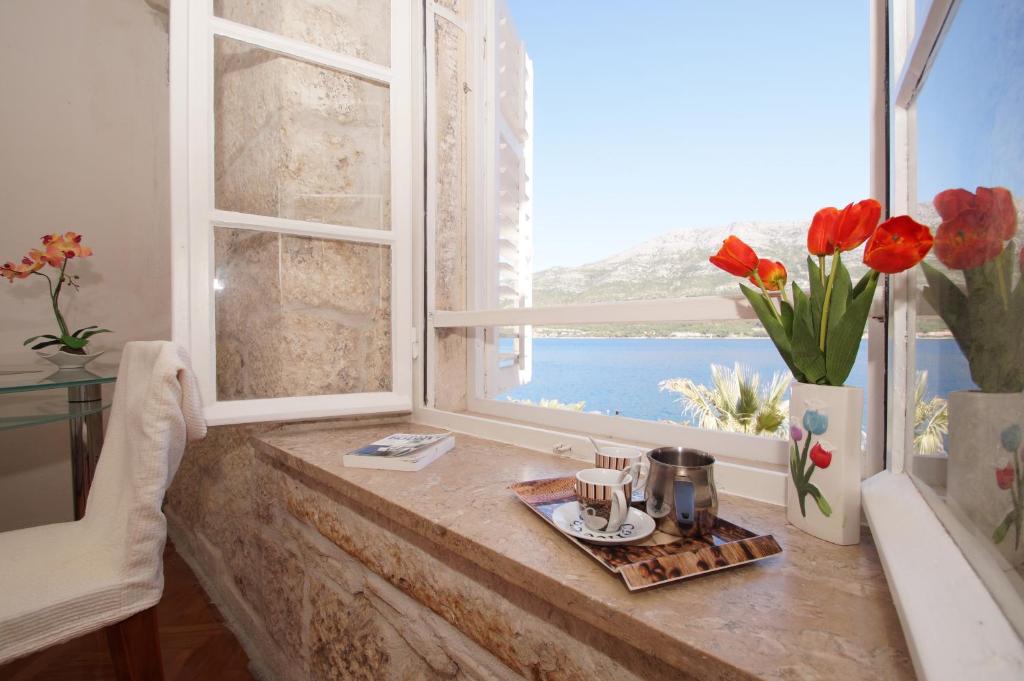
pixel 415 344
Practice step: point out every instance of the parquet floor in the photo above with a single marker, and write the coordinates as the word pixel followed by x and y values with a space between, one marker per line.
pixel 195 644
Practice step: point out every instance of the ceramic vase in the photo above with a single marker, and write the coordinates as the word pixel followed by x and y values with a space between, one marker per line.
pixel 69 360
pixel 823 487
pixel 984 468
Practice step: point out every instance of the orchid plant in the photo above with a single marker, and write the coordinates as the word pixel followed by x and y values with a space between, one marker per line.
pixel 57 251
pixel 818 333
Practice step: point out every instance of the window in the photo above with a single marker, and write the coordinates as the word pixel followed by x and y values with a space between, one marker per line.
pixel 291 182
pixel 616 150
pixel 959 145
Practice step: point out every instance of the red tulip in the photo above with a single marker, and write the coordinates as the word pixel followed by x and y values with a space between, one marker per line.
pixel 964 242
pixel 820 234
pixel 1005 477
pixel 735 257
pixel 995 205
pixel 820 456
pixel 856 223
pixel 897 245
pixel 772 273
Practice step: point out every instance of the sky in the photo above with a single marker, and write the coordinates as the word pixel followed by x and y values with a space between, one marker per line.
pixel 660 115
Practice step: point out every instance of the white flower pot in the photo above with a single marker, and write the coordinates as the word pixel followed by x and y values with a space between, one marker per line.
pixel 825 419
pixel 977 449
pixel 69 360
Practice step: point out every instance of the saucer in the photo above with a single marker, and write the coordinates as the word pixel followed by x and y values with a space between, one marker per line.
pixel 638 526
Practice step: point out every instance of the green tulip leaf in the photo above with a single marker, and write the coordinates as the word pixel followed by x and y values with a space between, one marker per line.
pixel 771 324
pixel 806 355
pixel 787 318
pixel 950 303
pixel 78 333
pixel 46 344
pixel 844 339
pixel 842 287
pixel 817 295
pixel 89 334
pixel 999 534
pixel 819 499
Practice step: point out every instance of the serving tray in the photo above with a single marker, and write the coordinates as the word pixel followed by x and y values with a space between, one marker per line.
pixel 661 558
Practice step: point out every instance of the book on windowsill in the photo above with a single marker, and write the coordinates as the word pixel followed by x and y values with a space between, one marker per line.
pixel 401 452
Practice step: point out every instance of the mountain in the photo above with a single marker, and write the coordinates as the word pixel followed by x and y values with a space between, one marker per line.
pixel 675 265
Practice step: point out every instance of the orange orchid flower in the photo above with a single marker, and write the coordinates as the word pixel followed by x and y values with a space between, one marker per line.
pixel 61 247
pixel 21 270
pixel 735 257
pixel 772 273
pixel 897 245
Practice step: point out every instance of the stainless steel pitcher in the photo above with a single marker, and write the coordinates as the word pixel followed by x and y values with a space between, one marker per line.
pixel 681 494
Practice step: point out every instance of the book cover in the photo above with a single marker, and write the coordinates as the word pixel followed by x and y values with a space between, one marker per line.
pixel 401 451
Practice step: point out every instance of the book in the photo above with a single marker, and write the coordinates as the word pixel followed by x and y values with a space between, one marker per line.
pixel 401 452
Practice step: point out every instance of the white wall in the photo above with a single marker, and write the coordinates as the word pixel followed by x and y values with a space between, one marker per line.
pixel 83 146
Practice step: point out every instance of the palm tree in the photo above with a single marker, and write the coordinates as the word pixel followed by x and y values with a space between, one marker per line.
pixel 735 401
pixel 931 419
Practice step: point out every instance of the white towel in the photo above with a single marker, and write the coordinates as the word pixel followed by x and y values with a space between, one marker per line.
pixel 58 582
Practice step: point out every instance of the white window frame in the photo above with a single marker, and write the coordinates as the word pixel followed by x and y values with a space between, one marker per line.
pixel 194 29
pixel 954 627
pixel 757 465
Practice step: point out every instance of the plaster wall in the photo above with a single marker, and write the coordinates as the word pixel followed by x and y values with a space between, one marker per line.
pixel 83 147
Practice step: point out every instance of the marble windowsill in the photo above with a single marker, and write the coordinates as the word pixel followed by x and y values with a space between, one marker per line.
pixel 815 611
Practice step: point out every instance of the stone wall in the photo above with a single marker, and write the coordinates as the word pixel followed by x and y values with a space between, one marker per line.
pixel 298 315
pixel 451 262
pixel 317 586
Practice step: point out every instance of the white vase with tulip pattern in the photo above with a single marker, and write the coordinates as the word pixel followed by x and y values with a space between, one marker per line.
pixel 985 472
pixel 823 488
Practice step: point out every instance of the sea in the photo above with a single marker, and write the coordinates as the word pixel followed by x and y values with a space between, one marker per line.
pixel 620 376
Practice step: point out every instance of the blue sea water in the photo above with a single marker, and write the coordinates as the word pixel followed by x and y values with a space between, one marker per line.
pixel 621 375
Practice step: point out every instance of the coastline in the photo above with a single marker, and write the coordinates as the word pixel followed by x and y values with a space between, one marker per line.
pixel 686 338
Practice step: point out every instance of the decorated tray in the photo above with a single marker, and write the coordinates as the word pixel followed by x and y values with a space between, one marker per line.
pixel 661 558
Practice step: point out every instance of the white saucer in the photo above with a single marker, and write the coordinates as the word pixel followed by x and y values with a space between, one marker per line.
pixel 638 526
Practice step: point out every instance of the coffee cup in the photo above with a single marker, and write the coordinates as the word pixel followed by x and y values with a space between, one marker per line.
pixel 603 495
pixel 624 459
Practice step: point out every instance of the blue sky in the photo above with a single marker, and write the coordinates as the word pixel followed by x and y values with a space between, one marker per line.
pixel 653 116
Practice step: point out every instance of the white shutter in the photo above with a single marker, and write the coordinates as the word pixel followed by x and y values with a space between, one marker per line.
pixel 510 226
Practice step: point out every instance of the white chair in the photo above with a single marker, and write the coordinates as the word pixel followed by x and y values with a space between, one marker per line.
pixel 58 582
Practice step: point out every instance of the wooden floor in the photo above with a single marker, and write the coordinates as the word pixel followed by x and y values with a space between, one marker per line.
pixel 195 643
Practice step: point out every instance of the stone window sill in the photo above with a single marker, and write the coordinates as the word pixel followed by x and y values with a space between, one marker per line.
pixel 815 611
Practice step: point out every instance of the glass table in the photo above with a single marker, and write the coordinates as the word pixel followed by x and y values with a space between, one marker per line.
pixel 24 402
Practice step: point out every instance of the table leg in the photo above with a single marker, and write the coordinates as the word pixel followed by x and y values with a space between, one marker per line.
pixel 86 439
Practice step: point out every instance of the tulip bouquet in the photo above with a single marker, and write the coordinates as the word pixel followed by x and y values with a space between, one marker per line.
pixel 57 251
pixel 986 316
pixel 818 333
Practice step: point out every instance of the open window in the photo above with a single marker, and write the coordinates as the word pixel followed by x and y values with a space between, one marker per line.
pixel 291 190
pixel 615 267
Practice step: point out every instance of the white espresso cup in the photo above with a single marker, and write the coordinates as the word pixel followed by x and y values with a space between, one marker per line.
pixel 624 459
pixel 603 495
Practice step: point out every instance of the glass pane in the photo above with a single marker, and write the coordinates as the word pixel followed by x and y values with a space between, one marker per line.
pixel 299 141
pixel 751 145
pixel 300 316
pixel 355 28
pixel 970 182
pixel 664 372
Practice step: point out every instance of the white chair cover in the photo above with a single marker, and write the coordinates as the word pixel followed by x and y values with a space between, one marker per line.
pixel 58 582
